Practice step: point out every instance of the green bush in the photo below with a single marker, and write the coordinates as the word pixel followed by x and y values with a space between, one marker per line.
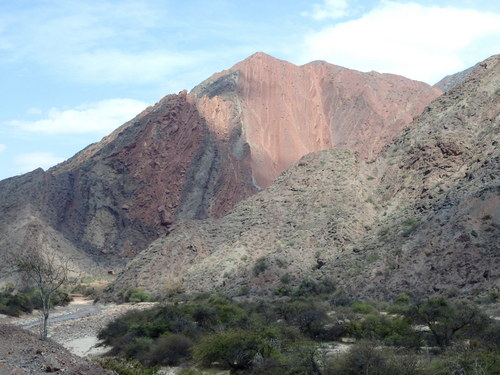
pixel 310 287
pixel 126 367
pixel 311 318
pixel 365 359
pixel 286 278
pixel 15 304
pixel 25 301
pixel 463 359
pixel 138 348
pixel 393 331
pixel 447 321
pixel 362 307
pixel 239 349
pixel 134 295
pixel 170 350
pixel 490 336
pixel 283 290
pixel 281 336
pixel 260 266
pixel 340 298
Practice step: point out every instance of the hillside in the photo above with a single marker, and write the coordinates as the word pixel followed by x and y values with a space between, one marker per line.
pixel 450 81
pixel 422 217
pixel 22 352
pixel 195 155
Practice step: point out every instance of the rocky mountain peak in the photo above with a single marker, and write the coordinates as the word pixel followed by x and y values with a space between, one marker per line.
pixel 286 111
pixel 422 217
pixel 196 155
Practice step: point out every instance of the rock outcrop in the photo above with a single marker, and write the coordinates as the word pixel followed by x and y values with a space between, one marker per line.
pixel 195 155
pixel 286 111
pixel 422 217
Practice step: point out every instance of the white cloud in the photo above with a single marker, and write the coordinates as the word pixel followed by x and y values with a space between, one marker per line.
pixel 33 160
pixel 328 9
pixel 101 118
pixel 423 43
pixel 2 147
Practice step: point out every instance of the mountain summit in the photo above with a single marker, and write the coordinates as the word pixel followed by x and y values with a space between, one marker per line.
pixel 422 217
pixel 286 111
pixel 196 155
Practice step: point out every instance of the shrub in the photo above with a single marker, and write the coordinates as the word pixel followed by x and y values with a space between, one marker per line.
pixel 362 307
pixel 298 359
pixel 25 301
pixel 121 329
pixel 15 304
pixel 365 359
pixel 126 367
pixel 309 287
pixel 462 359
pixel 259 266
pixel 138 348
pixel 283 290
pixel 170 350
pixel 490 336
pixel 310 318
pixel 447 320
pixel 391 331
pixel 135 295
pixel 286 278
pixel 340 298
pixel 236 349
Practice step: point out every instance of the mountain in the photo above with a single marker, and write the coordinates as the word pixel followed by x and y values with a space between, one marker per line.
pixel 422 217
pixel 196 155
pixel 450 81
pixel 286 111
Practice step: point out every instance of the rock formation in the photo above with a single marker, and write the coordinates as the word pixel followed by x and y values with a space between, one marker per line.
pixel 422 217
pixel 286 111
pixel 195 155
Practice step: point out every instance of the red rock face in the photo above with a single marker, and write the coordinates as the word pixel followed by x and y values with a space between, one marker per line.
pixel 196 155
pixel 287 111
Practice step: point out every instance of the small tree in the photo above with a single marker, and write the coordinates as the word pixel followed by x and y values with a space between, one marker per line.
pixel 46 272
pixel 445 319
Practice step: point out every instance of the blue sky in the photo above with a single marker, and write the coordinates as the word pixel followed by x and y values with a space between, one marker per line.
pixel 72 71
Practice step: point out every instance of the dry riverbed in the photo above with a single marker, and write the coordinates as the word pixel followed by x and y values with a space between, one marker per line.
pixel 76 326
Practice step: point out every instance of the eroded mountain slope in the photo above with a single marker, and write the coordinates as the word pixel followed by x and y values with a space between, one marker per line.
pixel 195 155
pixel 423 217
pixel 287 111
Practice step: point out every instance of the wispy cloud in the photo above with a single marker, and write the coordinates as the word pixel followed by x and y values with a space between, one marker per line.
pixel 117 66
pixel 33 160
pixel 100 118
pixel 419 42
pixel 2 147
pixel 97 42
pixel 328 9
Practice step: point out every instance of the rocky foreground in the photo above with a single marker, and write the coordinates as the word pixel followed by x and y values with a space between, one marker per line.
pixel 22 352
pixel 73 335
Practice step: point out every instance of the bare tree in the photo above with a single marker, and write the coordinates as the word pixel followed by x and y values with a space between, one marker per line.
pixel 47 272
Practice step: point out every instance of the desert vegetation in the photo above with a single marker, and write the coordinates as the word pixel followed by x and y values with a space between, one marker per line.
pixel 16 302
pixel 298 334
